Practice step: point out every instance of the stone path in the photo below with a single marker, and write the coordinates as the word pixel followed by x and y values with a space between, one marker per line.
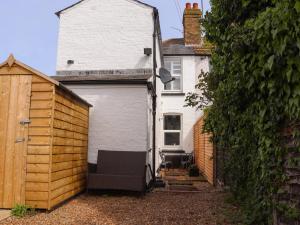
pixel 4 214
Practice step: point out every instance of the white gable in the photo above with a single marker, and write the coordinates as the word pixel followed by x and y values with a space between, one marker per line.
pixel 105 35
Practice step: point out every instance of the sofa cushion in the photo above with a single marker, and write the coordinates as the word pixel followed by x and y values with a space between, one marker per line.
pixel 116 182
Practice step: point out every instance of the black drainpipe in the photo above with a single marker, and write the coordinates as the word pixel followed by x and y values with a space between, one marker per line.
pixel 154 97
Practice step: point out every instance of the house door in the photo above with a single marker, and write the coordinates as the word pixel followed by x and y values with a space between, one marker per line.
pixel 15 93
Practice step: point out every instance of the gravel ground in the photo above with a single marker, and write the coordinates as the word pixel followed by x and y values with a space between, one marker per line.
pixel 163 208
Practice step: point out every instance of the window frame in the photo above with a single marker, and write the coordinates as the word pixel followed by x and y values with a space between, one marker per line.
pixel 172 147
pixel 172 59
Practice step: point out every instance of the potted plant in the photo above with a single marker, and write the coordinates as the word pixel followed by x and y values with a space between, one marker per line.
pixel 194 170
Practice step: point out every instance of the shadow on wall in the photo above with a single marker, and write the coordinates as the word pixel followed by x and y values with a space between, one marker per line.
pixel 188 145
pixel 144 62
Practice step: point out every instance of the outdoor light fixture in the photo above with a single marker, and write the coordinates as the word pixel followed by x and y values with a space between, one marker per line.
pixel 70 62
pixel 147 51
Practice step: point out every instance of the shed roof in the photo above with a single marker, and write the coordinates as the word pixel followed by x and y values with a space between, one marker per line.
pixel 11 61
pixel 177 47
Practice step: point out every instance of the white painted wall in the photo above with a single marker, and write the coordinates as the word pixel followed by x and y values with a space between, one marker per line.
pixel 105 35
pixel 191 68
pixel 118 118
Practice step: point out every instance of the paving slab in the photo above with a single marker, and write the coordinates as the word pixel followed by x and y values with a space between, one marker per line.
pixel 4 214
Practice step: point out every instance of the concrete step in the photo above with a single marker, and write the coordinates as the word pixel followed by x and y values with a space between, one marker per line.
pixel 180 182
pixel 182 188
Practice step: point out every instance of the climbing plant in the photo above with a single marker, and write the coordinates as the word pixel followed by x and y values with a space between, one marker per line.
pixel 253 92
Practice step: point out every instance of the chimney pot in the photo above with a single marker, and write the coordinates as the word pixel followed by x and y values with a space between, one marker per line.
pixel 188 5
pixel 195 6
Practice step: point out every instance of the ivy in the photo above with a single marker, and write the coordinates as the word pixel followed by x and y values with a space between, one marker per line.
pixel 253 91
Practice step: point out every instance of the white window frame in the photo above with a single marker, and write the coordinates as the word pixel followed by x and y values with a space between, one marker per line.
pixel 172 147
pixel 172 59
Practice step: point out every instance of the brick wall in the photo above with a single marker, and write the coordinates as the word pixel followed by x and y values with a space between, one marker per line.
pixel 192 26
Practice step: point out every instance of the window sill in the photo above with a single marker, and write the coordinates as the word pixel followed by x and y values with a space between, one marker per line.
pixel 174 151
pixel 173 94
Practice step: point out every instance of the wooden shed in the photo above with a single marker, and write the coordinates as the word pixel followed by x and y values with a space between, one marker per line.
pixel 43 138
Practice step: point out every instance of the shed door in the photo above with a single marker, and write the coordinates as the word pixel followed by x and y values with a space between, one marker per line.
pixel 14 108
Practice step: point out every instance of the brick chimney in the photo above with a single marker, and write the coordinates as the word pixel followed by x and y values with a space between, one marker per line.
pixel 192 25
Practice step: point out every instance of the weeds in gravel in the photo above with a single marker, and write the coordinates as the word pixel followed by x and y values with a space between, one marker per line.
pixel 20 211
pixel 233 216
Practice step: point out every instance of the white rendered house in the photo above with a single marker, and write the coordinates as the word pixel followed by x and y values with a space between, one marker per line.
pixel 108 53
pixel 185 58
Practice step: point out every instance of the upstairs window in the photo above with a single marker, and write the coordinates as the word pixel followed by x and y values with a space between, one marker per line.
pixel 174 65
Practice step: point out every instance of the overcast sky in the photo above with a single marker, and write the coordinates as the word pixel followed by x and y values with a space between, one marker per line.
pixel 30 28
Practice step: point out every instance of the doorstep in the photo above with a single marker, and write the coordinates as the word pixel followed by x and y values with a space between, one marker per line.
pixel 4 214
pixel 178 180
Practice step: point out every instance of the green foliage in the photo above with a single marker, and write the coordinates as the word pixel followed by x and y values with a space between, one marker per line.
pixel 289 211
pixel 21 210
pixel 255 89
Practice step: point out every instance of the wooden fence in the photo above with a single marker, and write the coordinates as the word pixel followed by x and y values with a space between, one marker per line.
pixel 210 161
pixel 204 151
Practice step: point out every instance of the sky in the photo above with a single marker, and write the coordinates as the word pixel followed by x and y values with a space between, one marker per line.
pixel 30 28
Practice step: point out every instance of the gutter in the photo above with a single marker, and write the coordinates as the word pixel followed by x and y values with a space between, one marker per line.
pixel 154 95
pixel 78 82
pixel 188 54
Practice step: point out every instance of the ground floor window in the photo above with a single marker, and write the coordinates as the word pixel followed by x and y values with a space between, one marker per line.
pixel 172 130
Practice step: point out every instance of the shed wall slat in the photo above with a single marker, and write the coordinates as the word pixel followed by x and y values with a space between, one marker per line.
pixel 40 122
pixel 40 113
pixel 36 195
pixel 37 204
pixel 40 131
pixel 37 168
pixel 38 159
pixel 38 79
pixel 35 186
pixel 42 87
pixel 41 95
pixel 37 177
pixel 38 150
pixel 41 104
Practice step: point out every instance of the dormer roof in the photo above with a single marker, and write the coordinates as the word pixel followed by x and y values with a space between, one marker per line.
pixel 177 47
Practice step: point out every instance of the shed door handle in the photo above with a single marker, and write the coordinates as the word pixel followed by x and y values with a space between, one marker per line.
pixel 19 140
pixel 25 121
